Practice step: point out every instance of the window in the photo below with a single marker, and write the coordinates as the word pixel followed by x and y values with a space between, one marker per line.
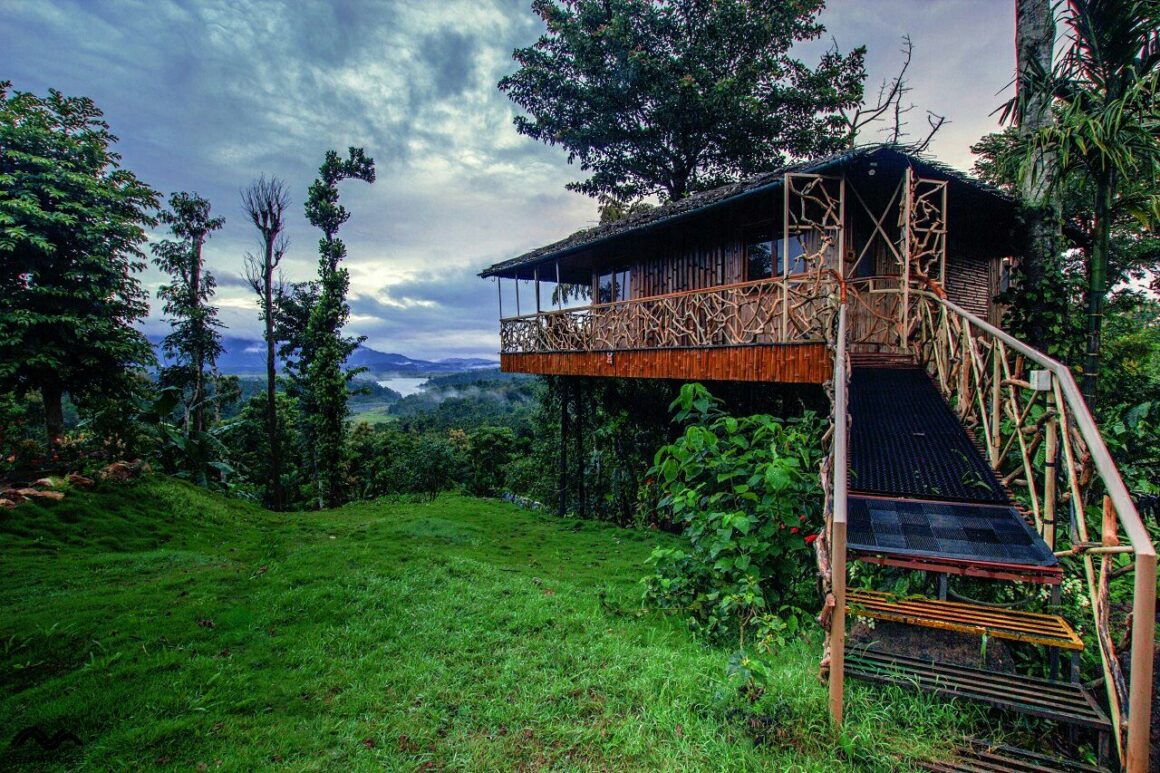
pixel 765 256
pixel 613 285
pixel 797 263
pixel 759 257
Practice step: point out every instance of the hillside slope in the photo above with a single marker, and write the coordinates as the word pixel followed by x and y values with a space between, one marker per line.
pixel 167 627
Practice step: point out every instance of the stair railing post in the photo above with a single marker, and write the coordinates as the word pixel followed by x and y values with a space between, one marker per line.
pixel 1143 641
pixel 1050 454
pixel 838 529
pixel 997 353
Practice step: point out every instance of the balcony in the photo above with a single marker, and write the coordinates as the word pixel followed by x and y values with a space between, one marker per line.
pixel 766 330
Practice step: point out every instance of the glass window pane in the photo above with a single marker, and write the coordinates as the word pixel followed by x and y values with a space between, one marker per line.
pixel 758 259
pixel 604 288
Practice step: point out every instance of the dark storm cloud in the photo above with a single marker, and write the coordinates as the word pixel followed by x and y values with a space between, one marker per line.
pixel 207 95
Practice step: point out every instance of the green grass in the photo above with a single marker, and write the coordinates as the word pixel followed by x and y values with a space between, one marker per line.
pixel 171 628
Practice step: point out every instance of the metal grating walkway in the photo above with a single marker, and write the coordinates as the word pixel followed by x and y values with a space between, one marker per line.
pixel 945 530
pixel 905 441
pixel 921 492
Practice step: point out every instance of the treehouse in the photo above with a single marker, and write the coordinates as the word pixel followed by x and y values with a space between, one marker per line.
pixel 955 449
pixel 736 283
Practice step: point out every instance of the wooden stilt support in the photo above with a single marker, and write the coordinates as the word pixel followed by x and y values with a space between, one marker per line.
pixel 562 508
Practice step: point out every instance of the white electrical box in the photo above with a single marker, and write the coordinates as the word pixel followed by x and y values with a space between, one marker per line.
pixel 1040 380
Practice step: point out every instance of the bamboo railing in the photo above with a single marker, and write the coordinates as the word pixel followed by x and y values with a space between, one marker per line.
pixel 1043 443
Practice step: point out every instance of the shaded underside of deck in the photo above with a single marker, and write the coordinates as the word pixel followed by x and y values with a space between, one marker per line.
pixel 798 363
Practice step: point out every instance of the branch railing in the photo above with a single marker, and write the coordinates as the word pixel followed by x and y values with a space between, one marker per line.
pixel 792 309
pixel 1042 440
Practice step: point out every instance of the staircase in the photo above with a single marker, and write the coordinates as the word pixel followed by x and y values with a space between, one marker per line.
pixel 931 437
pixel 922 497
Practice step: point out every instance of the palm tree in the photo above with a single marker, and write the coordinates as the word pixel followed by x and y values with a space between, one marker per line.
pixel 1106 128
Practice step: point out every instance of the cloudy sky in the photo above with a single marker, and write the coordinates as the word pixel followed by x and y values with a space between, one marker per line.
pixel 207 94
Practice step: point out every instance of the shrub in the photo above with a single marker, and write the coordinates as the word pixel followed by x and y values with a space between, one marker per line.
pixel 746 493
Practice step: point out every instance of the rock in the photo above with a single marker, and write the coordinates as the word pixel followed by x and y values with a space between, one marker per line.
pixel 55 496
pixel 80 481
pixel 45 483
pixel 6 503
pixel 117 471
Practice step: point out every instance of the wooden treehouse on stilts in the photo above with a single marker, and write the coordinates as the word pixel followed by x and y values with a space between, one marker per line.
pixel 954 449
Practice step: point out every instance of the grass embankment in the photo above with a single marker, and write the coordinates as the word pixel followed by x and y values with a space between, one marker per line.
pixel 168 627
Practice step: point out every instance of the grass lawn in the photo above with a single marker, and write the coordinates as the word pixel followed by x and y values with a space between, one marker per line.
pixel 171 628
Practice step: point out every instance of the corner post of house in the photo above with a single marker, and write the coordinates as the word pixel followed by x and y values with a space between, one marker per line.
pixel 942 260
pixel 786 192
pixel 842 226
pixel 499 292
pixel 559 289
pixel 518 312
pixel 536 274
pixel 904 312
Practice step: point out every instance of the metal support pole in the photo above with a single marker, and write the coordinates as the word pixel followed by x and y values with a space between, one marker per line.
pixel 499 290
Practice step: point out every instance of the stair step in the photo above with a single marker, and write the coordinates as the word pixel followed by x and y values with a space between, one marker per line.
pixel 1032 627
pixel 1058 701
pixel 974 539
pixel 1043 575
pixel 980 756
pixel 881 359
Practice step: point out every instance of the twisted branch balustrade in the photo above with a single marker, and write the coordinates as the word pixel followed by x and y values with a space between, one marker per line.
pixel 770 311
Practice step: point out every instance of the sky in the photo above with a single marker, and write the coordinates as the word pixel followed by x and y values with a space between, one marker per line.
pixel 206 95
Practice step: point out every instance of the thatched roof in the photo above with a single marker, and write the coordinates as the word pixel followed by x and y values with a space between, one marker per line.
pixel 886 156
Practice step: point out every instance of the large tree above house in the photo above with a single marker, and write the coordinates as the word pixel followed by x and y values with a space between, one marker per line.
pixel 672 98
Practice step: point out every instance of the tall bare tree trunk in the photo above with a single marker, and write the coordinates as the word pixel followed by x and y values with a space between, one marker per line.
pixel 265 202
pixel 1034 46
pixel 272 381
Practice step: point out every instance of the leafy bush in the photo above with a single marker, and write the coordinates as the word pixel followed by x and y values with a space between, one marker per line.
pixel 746 492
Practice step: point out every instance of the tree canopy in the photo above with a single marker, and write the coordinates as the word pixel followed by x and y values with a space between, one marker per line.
pixel 71 227
pixel 671 98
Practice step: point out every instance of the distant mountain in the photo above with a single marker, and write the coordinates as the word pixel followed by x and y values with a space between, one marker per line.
pixel 245 356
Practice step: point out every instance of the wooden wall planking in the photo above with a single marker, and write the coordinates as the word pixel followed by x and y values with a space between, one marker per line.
pixel 775 363
pixel 970 284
